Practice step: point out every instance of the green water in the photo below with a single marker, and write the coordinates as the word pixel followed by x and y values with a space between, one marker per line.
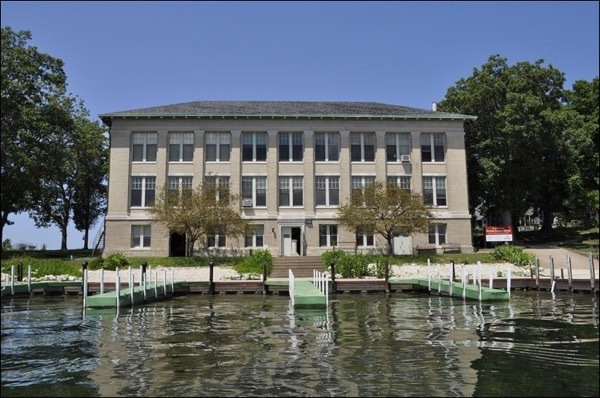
pixel 252 345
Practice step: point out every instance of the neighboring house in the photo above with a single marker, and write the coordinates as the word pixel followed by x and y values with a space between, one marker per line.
pixel 292 164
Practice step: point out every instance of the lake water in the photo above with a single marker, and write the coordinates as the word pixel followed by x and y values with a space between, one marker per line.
pixel 253 345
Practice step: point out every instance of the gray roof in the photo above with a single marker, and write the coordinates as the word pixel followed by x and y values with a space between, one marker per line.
pixel 282 109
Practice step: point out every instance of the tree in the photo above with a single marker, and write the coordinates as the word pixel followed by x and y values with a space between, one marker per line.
pixel 32 85
pixel 516 152
pixel 206 210
pixel 582 138
pixel 91 158
pixel 385 209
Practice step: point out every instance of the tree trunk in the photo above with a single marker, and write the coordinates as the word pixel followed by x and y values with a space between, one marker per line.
pixel 86 235
pixel 189 247
pixel 63 242
pixel 390 248
pixel 548 221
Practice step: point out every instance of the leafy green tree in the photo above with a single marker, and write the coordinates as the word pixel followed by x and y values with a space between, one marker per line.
pixel 385 209
pixel 32 87
pixel 91 158
pixel 582 139
pixel 207 210
pixel 516 151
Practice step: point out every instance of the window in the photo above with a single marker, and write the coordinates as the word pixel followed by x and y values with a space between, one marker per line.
pixel 222 184
pixel 327 191
pixel 328 235
pixel 432 147
pixel 291 147
pixel 181 147
pixel 143 190
pixel 402 181
pixel 144 147
pixel 434 191
pixel 290 191
pixel 141 235
pixel 437 234
pixel 254 147
pixel 364 240
pixel 257 238
pixel 255 189
pixel 327 147
pixel 218 147
pixel 397 144
pixel 179 184
pixel 217 240
pixel 359 183
pixel 362 147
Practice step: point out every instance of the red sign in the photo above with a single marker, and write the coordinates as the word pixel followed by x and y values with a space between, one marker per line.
pixel 499 234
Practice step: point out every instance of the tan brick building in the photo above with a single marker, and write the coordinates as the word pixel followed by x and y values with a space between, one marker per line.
pixel 292 164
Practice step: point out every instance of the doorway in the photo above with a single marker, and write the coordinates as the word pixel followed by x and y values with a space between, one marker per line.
pixel 291 241
pixel 177 245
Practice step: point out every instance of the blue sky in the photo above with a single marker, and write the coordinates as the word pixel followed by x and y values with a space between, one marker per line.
pixel 128 55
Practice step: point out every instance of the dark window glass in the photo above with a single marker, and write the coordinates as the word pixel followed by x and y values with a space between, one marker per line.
pixel 138 153
pixel 188 153
pixel 151 152
pixel 211 152
pixel 174 152
pixel 224 152
pixel 355 153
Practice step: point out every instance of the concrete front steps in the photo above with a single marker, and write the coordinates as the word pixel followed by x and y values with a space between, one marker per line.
pixel 301 266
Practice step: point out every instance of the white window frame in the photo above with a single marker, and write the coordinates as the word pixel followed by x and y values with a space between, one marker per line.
pixel 436 231
pixel 290 183
pixel 362 136
pixel 139 234
pixel 328 235
pixel 258 231
pixel 182 139
pixel 145 183
pixel 290 139
pixel 330 182
pixel 326 137
pixel 395 137
pixel 179 183
pixel 257 182
pixel 402 181
pixel 429 139
pixel 254 135
pixel 217 138
pixel 145 139
pixel 435 186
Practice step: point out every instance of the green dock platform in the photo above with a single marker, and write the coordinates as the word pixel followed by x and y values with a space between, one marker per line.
pixel 154 291
pixel 456 290
pixel 307 295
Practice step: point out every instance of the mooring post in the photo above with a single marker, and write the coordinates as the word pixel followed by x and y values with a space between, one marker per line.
pixel 29 278
pixel 173 282
pixel 570 272
pixel 118 291
pixel 165 282
pixel 551 268
pixel 20 272
pixel 85 288
pixel 155 285
pixel 429 275
pixel 84 266
pixel 387 275
pixel 453 274
pixel 211 285
pixel 131 287
pixel 464 278
pixel 333 282
pixel 451 278
pixel 508 280
pixel 592 271
pixel 143 266
pixel 537 272
pixel 491 281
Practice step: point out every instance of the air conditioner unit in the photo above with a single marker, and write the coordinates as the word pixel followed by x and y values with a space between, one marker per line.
pixel 246 202
pixel 405 158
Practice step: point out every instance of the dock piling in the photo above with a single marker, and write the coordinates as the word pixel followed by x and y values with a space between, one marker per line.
pixel 102 280
pixel 592 271
pixel 570 272
pixel 211 285
pixel 29 278
pixel 333 283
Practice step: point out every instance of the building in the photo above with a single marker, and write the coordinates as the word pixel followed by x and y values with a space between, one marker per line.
pixel 292 164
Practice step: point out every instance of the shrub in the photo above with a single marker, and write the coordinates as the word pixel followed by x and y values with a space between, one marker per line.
pixel 513 254
pixel 253 264
pixel 114 260
pixel 96 263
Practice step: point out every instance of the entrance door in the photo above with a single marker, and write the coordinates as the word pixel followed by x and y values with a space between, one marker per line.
pixel 291 241
pixel 177 245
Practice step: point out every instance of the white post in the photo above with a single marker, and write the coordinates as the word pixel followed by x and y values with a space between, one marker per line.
pixel 439 276
pixel 491 276
pixel 464 282
pixel 85 287
pixel 165 282
pixel 141 273
pixel 570 272
pixel 131 287
pixel 509 276
pixel 291 285
pixel 479 273
pixel 118 291
pixel 429 275
pixel 29 278
pixel 450 280
pixel 12 280
pixel 116 272
pixel 327 291
pixel 101 280
pixel 551 268
pixel 173 281
pixel 130 278
pixel 552 286
pixel 592 271
pixel 144 284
